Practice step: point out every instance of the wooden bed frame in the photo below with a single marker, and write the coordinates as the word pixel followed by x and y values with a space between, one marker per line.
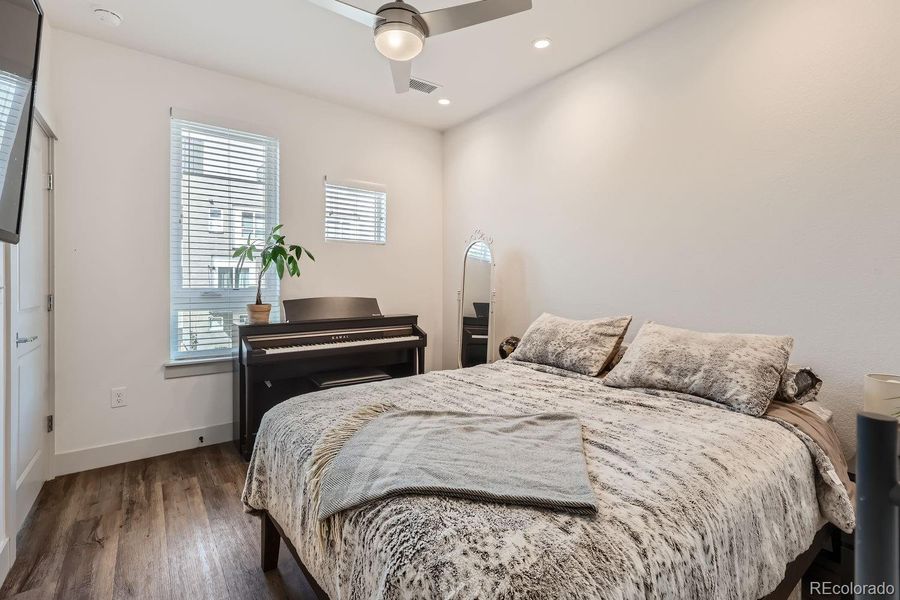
pixel 272 534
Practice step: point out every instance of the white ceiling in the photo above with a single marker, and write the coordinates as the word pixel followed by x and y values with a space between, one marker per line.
pixel 296 45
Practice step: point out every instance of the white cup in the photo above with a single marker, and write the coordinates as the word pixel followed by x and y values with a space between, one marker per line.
pixel 881 394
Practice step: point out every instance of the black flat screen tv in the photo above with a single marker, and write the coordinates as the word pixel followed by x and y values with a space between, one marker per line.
pixel 20 42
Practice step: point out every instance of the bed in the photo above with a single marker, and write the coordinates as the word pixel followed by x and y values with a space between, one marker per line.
pixel 695 501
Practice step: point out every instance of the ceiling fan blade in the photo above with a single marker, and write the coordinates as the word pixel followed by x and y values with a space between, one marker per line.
pixel 465 15
pixel 348 10
pixel 401 72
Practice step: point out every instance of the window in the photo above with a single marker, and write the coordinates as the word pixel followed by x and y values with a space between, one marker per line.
pixel 224 188
pixel 227 274
pixel 480 251
pixel 13 94
pixel 216 221
pixel 253 224
pixel 355 213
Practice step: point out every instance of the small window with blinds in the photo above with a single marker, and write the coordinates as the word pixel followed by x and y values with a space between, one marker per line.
pixel 13 95
pixel 224 191
pixel 355 212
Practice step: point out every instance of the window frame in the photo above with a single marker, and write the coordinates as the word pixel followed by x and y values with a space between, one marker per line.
pixel 254 222
pixel 180 296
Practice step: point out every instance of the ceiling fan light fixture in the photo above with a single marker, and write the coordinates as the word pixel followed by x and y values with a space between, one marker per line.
pixel 399 41
pixel 400 29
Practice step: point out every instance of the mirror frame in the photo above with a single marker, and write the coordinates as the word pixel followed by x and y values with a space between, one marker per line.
pixel 477 237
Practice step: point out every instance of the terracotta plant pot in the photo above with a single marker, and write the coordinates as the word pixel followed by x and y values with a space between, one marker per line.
pixel 259 313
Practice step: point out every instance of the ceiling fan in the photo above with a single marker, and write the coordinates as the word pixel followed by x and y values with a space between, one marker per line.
pixel 400 30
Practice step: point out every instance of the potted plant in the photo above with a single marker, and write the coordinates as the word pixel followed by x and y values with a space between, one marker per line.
pixel 271 251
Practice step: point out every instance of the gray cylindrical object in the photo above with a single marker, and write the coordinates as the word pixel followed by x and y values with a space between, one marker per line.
pixel 877 552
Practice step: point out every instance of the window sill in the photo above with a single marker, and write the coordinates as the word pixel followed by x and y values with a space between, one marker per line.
pixel 194 367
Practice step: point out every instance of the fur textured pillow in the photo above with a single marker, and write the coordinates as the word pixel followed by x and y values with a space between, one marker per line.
pixel 581 346
pixel 798 384
pixel 740 371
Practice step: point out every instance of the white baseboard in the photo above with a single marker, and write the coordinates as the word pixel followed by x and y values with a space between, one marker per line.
pixel 113 454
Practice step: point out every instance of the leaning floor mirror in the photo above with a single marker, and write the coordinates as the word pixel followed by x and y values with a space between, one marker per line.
pixel 476 303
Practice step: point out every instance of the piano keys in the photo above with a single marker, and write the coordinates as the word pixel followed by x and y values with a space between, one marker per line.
pixel 327 342
pixel 272 345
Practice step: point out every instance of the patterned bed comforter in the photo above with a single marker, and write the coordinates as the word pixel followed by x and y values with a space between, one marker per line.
pixel 695 502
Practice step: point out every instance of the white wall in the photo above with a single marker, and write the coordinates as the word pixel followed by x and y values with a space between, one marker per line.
pixel 736 169
pixel 112 228
pixel 44 97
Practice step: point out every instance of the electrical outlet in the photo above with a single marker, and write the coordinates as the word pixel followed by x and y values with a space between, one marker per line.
pixel 118 397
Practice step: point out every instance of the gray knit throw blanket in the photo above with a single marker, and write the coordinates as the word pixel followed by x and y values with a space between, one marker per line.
pixel 379 452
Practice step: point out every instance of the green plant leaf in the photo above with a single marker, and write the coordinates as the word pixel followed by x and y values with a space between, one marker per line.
pixel 276 250
pixel 238 252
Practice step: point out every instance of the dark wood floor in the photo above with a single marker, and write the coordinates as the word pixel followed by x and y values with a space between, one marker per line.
pixel 164 527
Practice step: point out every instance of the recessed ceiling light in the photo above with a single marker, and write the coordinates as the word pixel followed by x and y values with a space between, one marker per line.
pixel 542 43
pixel 444 102
pixel 108 17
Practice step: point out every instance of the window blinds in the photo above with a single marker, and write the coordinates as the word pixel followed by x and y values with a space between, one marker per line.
pixel 224 190
pixel 480 251
pixel 13 95
pixel 355 213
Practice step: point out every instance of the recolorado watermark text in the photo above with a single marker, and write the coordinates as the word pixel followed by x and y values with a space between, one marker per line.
pixel 827 588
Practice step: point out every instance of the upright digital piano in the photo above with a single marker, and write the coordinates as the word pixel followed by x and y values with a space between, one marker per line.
pixel 323 343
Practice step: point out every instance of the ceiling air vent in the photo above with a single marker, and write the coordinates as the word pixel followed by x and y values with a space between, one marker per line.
pixel 420 85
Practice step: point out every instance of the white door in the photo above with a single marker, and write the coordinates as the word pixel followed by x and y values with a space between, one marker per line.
pixel 31 444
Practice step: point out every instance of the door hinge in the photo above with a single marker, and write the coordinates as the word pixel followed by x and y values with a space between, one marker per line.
pixel 49 423
pixel 49 302
pixel 50 181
